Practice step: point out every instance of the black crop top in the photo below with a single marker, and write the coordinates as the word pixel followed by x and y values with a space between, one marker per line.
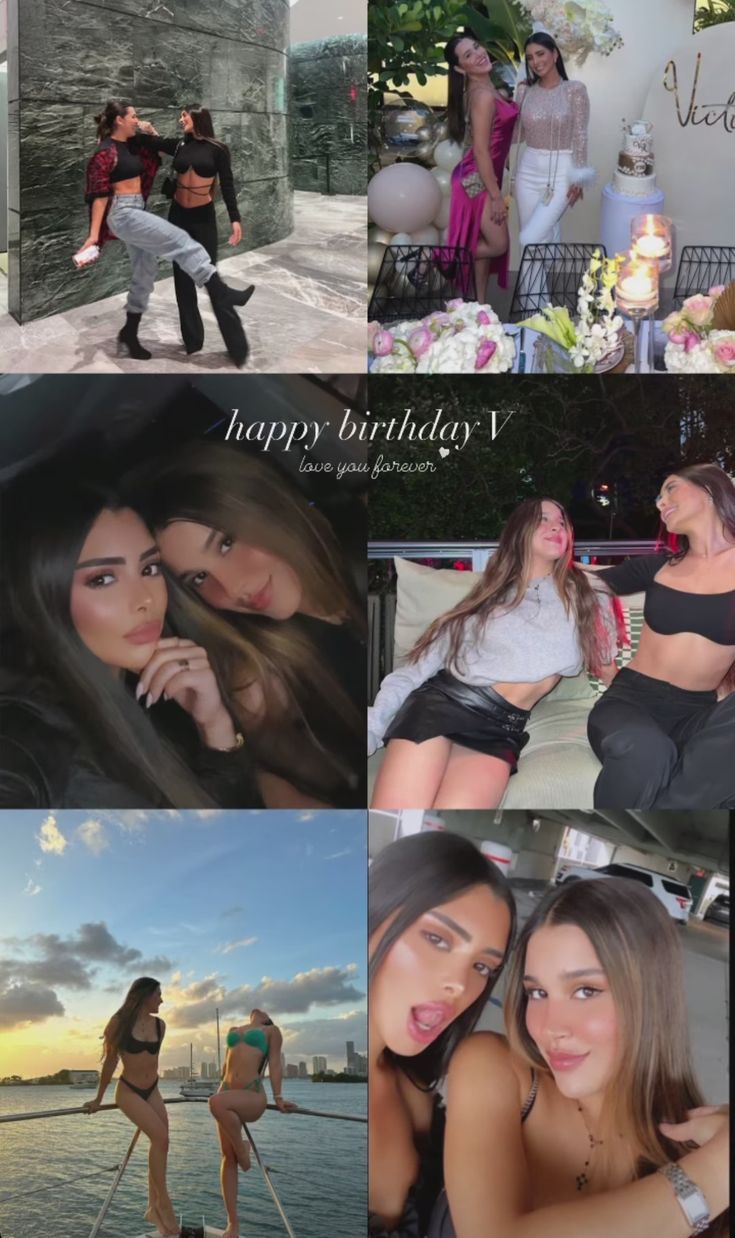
pixel 669 611
pixel 131 1045
pixel 208 159
pixel 128 164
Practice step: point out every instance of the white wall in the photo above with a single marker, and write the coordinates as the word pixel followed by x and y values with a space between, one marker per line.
pixel 695 164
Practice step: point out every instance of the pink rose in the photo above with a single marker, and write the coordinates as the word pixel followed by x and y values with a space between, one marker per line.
pixel 691 341
pixel 455 304
pixel 437 320
pixel 485 353
pixel 420 341
pixel 382 343
pixel 698 310
pixel 723 352
pixel 716 290
pixel 484 318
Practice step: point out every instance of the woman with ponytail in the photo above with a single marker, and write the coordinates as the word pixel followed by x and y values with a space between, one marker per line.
pixel 120 177
pixel 199 161
pixel 135 1034
pixel 553 123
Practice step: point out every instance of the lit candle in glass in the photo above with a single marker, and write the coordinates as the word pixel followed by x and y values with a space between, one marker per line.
pixel 636 290
pixel 651 239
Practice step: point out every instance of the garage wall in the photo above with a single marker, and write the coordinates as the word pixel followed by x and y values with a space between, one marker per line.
pixel 656 863
pixel 539 848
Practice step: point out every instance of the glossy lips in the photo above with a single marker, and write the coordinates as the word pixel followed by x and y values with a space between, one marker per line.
pixel 565 1061
pixel 262 599
pixel 425 1022
pixel 145 633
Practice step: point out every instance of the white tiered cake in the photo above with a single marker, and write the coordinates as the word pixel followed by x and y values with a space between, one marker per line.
pixel 635 173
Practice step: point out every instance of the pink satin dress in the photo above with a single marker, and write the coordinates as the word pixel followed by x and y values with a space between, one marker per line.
pixel 465 212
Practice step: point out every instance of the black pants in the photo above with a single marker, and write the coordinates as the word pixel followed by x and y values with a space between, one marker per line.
pixel 661 746
pixel 201 224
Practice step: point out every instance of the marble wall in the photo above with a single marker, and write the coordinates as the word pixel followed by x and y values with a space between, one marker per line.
pixel 328 89
pixel 66 57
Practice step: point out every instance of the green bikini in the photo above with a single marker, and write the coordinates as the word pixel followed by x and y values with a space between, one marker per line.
pixel 257 1039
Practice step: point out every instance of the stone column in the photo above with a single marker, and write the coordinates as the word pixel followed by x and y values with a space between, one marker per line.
pixel 328 86
pixel 67 57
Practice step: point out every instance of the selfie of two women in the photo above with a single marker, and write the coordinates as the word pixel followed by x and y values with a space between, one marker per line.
pixel 183 608
pixel 548 1028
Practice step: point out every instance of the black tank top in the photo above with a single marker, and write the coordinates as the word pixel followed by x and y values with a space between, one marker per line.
pixel 668 611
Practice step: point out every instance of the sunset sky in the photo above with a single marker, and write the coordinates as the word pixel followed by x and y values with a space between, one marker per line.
pixel 227 909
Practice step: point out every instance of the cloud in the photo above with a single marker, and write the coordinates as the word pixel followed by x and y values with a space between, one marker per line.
pixel 306 816
pixel 337 855
pixel 322 986
pixel 22 1004
pixel 306 1037
pixel 32 888
pixel 235 945
pixel 50 837
pixel 129 820
pixel 204 814
pixel 44 962
pixel 94 837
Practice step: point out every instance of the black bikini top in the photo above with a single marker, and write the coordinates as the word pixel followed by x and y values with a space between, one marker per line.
pixel 131 1045
pixel 669 611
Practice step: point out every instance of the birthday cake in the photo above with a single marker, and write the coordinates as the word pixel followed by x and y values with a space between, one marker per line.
pixel 635 173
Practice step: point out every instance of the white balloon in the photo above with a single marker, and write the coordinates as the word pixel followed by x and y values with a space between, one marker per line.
pixel 378 234
pixel 400 238
pixel 443 236
pixel 443 179
pixel 425 236
pixel 441 219
pixel 403 197
pixel 447 154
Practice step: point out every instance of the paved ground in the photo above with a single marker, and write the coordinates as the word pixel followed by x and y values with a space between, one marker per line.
pixel 307 314
pixel 706 976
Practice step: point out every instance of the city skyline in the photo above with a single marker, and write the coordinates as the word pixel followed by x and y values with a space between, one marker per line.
pixel 227 909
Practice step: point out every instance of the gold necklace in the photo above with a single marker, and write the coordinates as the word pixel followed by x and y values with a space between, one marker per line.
pixel 582 1178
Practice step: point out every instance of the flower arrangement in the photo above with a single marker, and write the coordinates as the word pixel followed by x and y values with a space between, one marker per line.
pixel 701 335
pixel 465 338
pixel 579 28
pixel 595 336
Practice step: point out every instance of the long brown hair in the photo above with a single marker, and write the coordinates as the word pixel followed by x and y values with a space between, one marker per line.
pixel 456 84
pixel 504 583
pixel 638 947
pixel 239 494
pixel 721 489
pixel 122 1022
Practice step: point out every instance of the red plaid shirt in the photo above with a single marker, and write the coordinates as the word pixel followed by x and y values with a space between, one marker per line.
pixel 99 169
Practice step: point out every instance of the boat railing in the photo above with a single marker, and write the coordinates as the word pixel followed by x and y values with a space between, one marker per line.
pixel 119 1169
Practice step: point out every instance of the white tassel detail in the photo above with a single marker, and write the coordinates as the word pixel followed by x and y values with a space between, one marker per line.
pixel 581 176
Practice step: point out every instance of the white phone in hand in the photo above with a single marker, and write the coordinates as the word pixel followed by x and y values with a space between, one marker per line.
pixel 85 257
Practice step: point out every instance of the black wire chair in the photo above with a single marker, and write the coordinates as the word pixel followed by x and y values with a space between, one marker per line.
pixel 701 267
pixel 415 280
pixel 551 274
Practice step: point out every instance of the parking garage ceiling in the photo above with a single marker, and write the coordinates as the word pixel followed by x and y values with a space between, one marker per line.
pixel 698 838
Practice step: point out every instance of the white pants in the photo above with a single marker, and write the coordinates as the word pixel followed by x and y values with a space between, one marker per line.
pixel 540 222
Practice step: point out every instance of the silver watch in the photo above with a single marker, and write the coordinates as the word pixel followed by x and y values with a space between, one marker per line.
pixel 691 1200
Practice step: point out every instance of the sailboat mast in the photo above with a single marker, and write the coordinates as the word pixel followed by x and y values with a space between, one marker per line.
pixel 219 1061
pixel 191 1060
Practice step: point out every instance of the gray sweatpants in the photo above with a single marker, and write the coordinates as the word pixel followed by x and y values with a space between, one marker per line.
pixel 147 238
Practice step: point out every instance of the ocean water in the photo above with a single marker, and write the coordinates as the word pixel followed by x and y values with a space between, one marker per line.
pixel 319 1166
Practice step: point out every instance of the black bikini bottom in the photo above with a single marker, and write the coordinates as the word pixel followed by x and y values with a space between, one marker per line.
pixel 144 1093
pixel 475 717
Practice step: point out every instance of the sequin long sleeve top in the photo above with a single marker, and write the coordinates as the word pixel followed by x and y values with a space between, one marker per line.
pixel 526 644
pixel 557 119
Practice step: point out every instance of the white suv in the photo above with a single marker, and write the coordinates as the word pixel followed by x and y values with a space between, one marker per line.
pixel 676 898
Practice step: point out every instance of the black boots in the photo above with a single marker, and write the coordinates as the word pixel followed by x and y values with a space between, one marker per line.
pixel 224 299
pixel 128 338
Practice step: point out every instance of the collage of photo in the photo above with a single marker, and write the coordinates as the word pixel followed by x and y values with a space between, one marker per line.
pixel 367 618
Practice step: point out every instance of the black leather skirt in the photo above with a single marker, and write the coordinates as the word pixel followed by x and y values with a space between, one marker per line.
pixel 477 718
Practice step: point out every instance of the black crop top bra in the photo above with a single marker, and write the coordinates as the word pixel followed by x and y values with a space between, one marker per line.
pixel 668 611
pixel 131 1045
pixel 208 159
pixel 128 164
